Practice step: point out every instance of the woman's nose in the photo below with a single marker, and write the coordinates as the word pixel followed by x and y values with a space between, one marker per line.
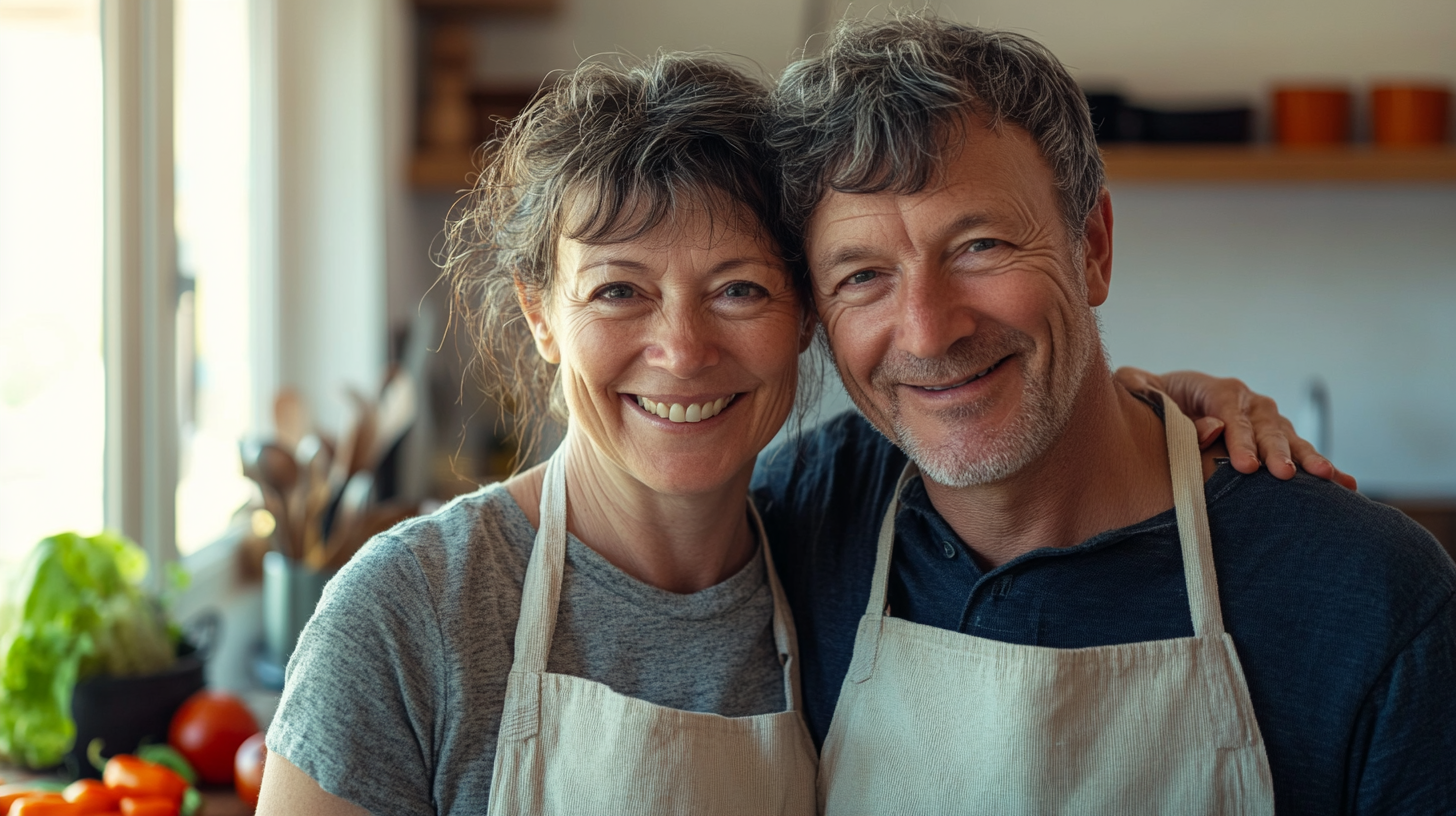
pixel 684 345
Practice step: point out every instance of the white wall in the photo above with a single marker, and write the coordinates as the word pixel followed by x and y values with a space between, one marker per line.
pixel 1356 285
pixel 1274 284
pixel 332 189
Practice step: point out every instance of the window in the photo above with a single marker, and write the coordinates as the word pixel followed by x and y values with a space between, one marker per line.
pixel 52 376
pixel 129 364
pixel 215 381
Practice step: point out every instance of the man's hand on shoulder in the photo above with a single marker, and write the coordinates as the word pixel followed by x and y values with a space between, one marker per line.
pixel 1254 433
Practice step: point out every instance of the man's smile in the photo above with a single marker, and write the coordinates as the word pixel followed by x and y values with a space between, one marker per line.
pixel 966 381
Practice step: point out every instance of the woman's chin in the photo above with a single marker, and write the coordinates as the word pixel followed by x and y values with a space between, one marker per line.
pixel 689 474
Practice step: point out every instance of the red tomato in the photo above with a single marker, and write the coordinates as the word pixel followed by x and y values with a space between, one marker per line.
pixel 208 729
pixel 148 806
pixel 248 769
pixel 91 794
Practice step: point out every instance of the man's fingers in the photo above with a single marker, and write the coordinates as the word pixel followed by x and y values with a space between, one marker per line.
pixel 1274 450
pixel 1209 429
pixel 1238 436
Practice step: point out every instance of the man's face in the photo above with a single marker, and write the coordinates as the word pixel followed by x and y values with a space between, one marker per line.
pixel 961 316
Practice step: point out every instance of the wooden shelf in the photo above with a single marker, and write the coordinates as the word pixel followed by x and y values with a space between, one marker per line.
pixel 443 172
pixel 1216 164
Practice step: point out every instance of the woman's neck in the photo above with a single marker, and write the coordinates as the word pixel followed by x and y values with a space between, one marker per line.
pixel 680 543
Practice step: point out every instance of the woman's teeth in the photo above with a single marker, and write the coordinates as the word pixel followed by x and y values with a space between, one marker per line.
pixel 677 412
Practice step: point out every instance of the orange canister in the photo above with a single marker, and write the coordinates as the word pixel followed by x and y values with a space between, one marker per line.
pixel 1311 115
pixel 1410 115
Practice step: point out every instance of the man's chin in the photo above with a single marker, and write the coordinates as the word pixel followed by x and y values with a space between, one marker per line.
pixel 964 455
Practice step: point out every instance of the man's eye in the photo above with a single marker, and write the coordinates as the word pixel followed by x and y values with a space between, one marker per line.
pixel 743 289
pixel 862 276
pixel 614 291
pixel 984 244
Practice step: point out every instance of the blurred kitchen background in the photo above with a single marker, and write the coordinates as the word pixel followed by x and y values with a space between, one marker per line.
pixel 206 202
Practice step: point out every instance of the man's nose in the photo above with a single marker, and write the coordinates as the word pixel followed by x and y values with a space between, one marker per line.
pixel 932 315
pixel 684 345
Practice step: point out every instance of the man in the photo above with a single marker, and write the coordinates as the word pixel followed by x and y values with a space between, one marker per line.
pixel 1294 647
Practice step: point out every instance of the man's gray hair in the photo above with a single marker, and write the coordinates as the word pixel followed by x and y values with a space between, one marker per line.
pixel 875 111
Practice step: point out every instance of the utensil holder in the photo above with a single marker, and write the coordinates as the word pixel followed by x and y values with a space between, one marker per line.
pixel 291 591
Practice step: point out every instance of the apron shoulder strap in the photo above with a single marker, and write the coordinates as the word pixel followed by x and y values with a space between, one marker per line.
pixel 1186 463
pixel 885 551
pixel 786 638
pixel 541 591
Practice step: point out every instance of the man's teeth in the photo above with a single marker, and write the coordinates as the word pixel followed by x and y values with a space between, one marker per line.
pixel 978 375
pixel 676 412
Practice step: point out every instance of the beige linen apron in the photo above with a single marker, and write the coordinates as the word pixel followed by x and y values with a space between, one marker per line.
pixel 931 721
pixel 569 745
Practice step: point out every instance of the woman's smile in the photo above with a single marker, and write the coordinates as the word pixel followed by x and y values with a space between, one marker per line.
pixel 682 410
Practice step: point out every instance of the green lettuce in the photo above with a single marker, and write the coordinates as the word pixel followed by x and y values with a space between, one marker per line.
pixel 77 609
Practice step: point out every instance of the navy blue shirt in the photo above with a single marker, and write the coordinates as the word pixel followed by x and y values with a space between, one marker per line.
pixel 1343 611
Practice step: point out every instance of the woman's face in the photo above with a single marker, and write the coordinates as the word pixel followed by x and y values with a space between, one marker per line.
pixel 678 350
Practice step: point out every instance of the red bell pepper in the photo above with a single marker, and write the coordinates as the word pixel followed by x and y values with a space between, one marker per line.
pixel 129 776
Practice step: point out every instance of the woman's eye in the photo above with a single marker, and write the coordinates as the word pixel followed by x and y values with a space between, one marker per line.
pixel 862 276
pixel 614 291
pixel 743 289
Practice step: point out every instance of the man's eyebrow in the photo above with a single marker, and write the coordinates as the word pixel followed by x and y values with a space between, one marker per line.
pixel 855 253
pixel 847 255
pixel 970 221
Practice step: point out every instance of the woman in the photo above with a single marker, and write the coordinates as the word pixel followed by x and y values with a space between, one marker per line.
pixel 603 633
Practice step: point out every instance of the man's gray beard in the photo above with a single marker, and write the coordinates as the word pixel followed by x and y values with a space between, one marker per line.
pixel 979 458
pixel 986 458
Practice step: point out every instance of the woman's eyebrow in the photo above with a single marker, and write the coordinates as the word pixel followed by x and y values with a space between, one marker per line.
pixel 614 263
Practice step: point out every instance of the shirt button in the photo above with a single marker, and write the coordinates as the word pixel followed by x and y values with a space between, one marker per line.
pixel 949 549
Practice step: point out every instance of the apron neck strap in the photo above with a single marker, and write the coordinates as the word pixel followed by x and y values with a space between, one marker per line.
pixel 883 555
pixel 786 640
pixel 541 592
pixel 1186 462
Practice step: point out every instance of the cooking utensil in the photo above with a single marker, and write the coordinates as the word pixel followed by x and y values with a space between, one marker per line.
pixel 290 418
pixel 253 456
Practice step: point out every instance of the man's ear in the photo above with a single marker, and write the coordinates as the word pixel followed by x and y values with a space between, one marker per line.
pixel 535 311
pixel 1097 261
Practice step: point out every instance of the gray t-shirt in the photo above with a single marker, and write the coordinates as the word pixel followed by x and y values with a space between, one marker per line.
pixel 394 695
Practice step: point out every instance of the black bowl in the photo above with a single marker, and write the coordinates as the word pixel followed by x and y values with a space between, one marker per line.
pixel 126 712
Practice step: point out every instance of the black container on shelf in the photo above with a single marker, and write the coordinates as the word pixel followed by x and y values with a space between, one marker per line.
pixel 1113 120
pixel 1207 126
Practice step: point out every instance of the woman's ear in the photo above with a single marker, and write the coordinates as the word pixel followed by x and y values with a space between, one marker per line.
pixel 806 334
pixel 535 311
